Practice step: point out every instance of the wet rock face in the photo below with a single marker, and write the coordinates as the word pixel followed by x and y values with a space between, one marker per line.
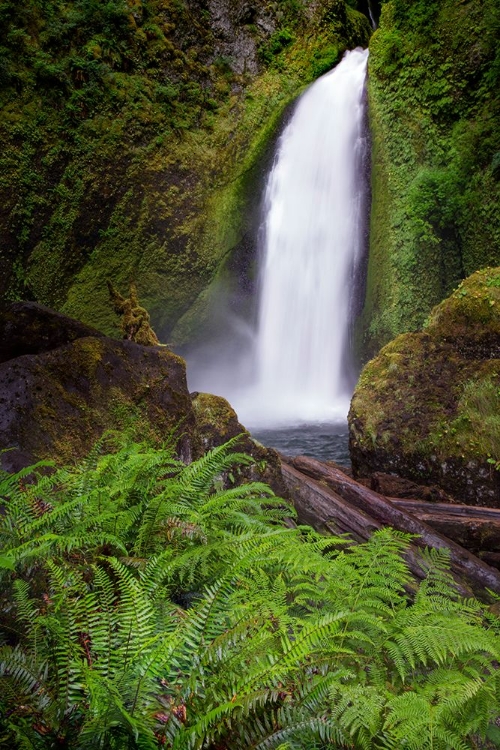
pixel 64 384
pixel 236 25
pixel 239 27
pixel 428 406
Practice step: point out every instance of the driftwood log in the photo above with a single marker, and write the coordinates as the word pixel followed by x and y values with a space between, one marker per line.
pixel 329 500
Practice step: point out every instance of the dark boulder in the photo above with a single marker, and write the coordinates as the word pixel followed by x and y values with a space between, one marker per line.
pixel 63 384
pixel 29 328
pixel 56 404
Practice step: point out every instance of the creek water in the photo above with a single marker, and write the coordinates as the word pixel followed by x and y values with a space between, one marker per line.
pixel 313 239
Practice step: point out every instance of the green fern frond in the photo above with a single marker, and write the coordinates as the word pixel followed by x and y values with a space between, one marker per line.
pixel 28 673
pixel 220 626
pixel 305 731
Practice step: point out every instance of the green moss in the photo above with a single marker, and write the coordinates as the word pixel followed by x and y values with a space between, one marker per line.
pixel 216 420
pixel 473 310
pixel 131 146
pixel 474 432
pixel 88 355
pixel 404 391
pixel 435 114
pixel 428 405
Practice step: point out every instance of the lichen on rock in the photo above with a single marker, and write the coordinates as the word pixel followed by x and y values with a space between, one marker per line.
pixel 428 406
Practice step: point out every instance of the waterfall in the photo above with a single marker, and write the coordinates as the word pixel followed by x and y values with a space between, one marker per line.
pixel 313 239
pixel 295 368
pixel 372 15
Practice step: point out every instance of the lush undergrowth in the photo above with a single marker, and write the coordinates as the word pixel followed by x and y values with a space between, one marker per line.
pixel 434 78
pixel 146 605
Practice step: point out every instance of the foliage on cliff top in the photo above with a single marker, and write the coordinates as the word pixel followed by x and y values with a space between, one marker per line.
pixel 145 606
pixel 130 128
pixel 434 83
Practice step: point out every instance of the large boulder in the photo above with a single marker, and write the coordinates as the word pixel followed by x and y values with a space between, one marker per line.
pixel 63 384
pixel 428 406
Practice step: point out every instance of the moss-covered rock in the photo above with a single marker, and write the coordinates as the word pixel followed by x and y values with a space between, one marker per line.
pixel 217 422
pixel 428 406
pixel 63 384
pixel 132 135
pixel 434 96
pixel 59 397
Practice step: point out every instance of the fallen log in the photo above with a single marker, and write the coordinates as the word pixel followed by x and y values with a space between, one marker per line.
pixel 473 527
pixel 320 507
pixel 391 485
pixel 379 510
pixel 422 506
pixel 323 509
pixel 475 534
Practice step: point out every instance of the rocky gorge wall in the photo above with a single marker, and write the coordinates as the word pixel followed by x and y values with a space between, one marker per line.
pixel 434 83
pixel 133 131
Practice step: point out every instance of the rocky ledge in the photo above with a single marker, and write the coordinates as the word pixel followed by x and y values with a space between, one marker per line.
pixel 428 406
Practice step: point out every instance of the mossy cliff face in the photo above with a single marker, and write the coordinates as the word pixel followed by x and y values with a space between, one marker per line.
pixel 132 132
pixel 428 406
pixel 434 95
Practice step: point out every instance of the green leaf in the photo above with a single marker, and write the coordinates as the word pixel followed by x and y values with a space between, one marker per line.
pixel 7 562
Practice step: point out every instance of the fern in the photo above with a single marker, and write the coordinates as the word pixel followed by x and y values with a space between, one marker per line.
pixel 152 607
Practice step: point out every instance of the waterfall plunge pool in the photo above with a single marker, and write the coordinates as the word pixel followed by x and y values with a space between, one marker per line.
pixel 326 442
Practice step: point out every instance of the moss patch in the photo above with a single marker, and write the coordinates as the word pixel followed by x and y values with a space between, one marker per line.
pixel 427 407
pixel 434 82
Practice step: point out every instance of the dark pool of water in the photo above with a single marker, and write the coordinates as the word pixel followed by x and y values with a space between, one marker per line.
pixel 327 442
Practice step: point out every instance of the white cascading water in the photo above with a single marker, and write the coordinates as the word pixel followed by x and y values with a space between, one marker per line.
pixel 313 237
